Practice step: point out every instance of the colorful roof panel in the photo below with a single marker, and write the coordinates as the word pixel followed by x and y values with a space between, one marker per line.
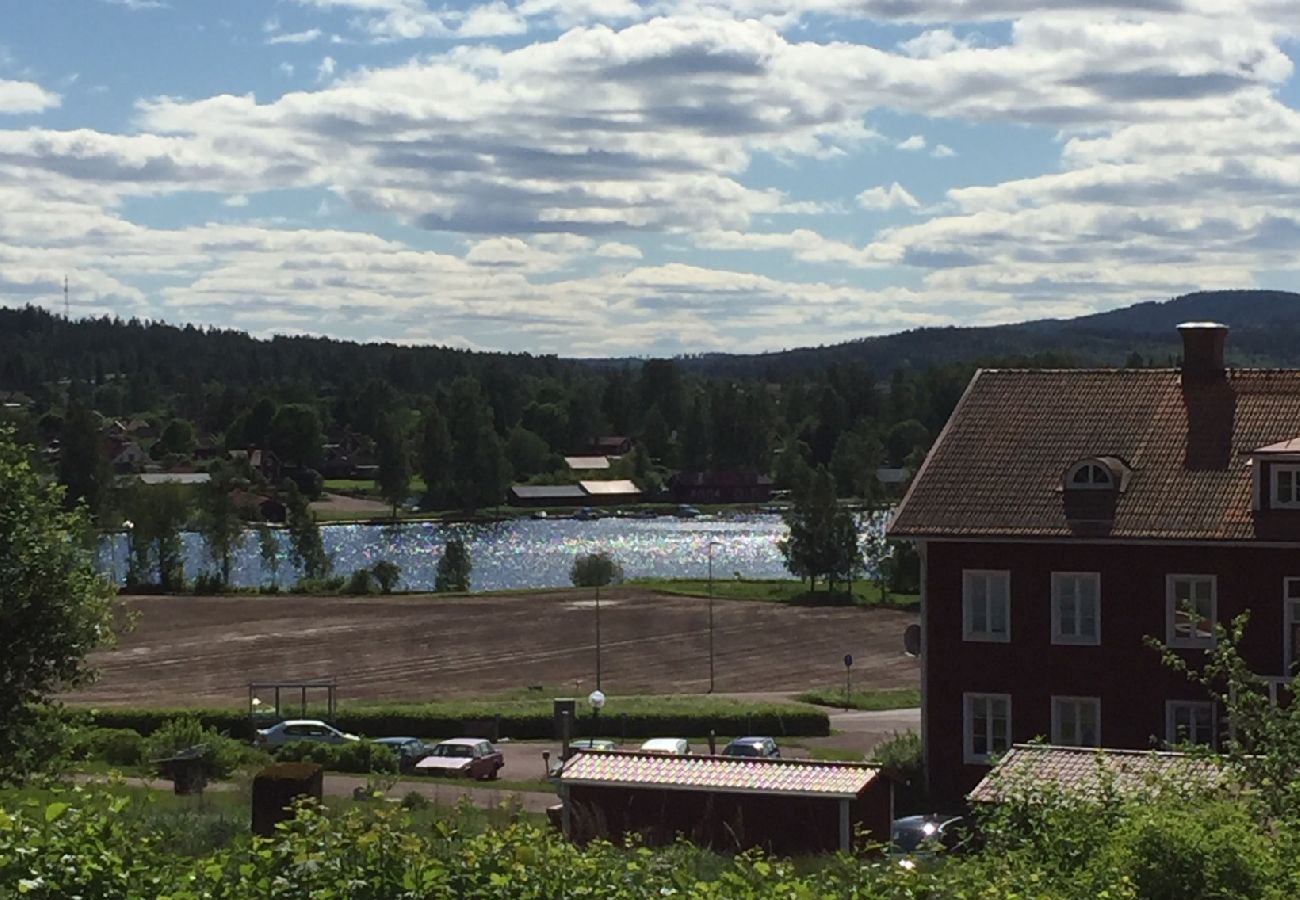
pixel 1027 769
pixel 720 774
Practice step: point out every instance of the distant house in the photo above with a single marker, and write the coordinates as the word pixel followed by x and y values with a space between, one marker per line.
pixel 547 495
pixel 259 507
pixel 611 445
pixel 140 428
pixel 262 461
pixel 784 806
pixel 206 449
pixel 124 455
pixel 720 486
pixel 587 463
pixel 1063 517
pixel 893 479
pixel 610 493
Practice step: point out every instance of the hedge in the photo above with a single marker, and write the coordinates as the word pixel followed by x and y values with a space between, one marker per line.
pixel 623 717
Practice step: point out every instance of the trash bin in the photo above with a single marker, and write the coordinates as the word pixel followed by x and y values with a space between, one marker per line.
pixel 185 769
pixel 277 786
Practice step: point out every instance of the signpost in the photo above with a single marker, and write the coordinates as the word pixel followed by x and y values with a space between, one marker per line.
pixel 848 680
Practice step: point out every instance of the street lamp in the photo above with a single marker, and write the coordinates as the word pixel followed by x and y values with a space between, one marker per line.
pixel 712 544
pixel 597 700
pixel 597 691
pixel 128 525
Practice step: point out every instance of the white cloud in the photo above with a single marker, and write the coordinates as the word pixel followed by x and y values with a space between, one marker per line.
pixel 618 250
pixel 882 198
pixel 286 69
pixel 325 69
pixel 235 201
pixel 25 97
pixel 915 142
pixel 942 151
pixel 297 37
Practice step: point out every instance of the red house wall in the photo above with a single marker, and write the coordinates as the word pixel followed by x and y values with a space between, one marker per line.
pixel 1128 676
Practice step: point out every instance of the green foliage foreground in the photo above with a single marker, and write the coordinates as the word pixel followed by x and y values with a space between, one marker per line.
pixel 95 844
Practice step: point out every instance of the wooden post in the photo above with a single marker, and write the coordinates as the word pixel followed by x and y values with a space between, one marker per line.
pixel 846 832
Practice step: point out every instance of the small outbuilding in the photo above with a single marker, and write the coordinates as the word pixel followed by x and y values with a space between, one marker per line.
pixel 547 495
pixel 614 491
pixel 784 806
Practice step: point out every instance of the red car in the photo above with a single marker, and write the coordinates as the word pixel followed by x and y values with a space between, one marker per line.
pixel 463 758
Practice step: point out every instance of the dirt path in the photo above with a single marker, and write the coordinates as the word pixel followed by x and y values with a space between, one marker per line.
pixel 185 650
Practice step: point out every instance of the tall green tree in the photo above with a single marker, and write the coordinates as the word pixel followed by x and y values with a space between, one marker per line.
pixel 296 434
pixel 176 438
pixel 268 548
pixel 394 475
pixel 218 522
pixel 454 568
pixel 54 608
pixel 158 513
pixel 306 549
pixel 823 538
pixel 83 470
pixel 436 455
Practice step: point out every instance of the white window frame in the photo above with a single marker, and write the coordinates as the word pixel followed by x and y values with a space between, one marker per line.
pixel 1275 501
pixel 1094 468
pixel 1058 636
pixel 1172 639
pixel 968 631
pixel 1079 704
pixel 969 703
pixel 1195 707
pixel 1290 619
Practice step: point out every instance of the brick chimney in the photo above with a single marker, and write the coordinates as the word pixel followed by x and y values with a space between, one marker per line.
pixel 1203 351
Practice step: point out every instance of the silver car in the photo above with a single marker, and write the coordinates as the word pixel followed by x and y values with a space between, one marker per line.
pixel 313 730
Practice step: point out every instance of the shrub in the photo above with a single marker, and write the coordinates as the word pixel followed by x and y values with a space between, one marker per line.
pixel 387 574
pixel 359 757
pixel 362 581
pixel 115 746
pixel 415 801
pixel 222 755
pixel 208 583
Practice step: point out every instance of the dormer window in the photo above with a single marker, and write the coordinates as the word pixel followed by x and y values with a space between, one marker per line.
pixel 1286 486
pixel 1090 474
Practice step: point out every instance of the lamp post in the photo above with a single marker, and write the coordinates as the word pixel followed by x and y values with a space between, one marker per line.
pixel 597 691
pixel 597 700
pixel 712 544
pixel 128 525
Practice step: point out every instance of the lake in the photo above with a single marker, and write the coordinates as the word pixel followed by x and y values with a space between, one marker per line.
pixel 521 553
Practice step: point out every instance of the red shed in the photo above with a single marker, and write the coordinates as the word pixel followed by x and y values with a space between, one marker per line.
pixel 785 806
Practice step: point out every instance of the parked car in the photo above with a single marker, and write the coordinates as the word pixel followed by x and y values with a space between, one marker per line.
pixel 462 758
pixel 921 837
pixel 761 747
pixel 667 746
pixel 409 750
pixel 302 730
pixel 593 744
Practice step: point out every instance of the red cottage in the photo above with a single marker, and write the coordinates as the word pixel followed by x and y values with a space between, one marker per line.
pixel 1063 516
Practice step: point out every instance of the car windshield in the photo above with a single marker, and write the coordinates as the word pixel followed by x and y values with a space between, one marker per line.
pixel 457 751
pixel 744 750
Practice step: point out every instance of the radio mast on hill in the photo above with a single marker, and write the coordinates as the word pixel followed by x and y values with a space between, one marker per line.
pixel 66 314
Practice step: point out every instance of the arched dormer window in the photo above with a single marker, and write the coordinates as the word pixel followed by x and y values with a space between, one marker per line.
pixel 1089 475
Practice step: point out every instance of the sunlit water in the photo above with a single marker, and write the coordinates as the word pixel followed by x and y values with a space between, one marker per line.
pixel 520 553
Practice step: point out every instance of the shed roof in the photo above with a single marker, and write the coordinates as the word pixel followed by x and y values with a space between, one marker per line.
pixel 587 463
pixel 996 469
pixel 718 774
pixel 1087 771
pixel 548 491
pixel 604 488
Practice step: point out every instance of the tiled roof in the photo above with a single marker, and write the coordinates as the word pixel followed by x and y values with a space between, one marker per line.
pixel 1082 771
pixel 587 462
pixel 620 486
pixel 996 469
pixel 721 774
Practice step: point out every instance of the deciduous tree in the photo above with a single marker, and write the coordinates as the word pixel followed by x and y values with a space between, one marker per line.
pixel 454 567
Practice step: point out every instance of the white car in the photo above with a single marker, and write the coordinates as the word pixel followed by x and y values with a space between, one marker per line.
pixel 312 730
pixel 462 758
pixel 667 746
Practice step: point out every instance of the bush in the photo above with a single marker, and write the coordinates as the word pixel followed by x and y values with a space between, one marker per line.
pixel 222 755
pixel 359 757
pixel 115 746
pixel 415 801
pixel 208 583
pixel 387 574
pixel 330 585
pixel 362 581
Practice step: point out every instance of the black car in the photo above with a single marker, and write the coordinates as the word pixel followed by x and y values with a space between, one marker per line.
pixel 919 836
pixel 759 747
pixel 409 750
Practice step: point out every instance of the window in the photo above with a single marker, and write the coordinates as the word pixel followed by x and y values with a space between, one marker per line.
pixel 1076 608
pixel 1190 610
pixel 1089 475
pixel 1286 486
pixel 986 726
pixel 1291 598
pixel 1076 721
pixel 986 605
pixel 1189 722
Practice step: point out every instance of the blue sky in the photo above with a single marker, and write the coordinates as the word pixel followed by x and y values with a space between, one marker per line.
pixel 607 177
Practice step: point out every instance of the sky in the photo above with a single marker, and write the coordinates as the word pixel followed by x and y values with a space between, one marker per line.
pixel 614 178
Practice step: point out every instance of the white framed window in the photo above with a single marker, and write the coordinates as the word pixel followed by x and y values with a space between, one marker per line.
pixel 986 726
pixel 1076 608
pixel 1286 486
pixel 1076 721
pixel 986 605
pixel 1191 606
pixel 1089 475
pixel 1189 722
pixel 1291 620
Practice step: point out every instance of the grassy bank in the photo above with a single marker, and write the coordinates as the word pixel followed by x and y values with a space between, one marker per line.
pixel 781 590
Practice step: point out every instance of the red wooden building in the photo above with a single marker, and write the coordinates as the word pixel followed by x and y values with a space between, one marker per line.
pixel 1064 517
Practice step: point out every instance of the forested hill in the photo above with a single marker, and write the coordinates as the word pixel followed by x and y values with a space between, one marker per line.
pixel 1265 332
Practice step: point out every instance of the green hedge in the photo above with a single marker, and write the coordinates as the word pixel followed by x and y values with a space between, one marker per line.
pixel 623 717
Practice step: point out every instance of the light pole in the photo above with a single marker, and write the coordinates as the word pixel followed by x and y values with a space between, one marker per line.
pixel 128 525
pixel 597 639
pixel 712 544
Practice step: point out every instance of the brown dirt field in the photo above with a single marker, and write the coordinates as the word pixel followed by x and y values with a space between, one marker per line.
pixel 185 650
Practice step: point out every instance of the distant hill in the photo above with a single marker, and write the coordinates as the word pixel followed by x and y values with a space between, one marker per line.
pixel 1265 332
